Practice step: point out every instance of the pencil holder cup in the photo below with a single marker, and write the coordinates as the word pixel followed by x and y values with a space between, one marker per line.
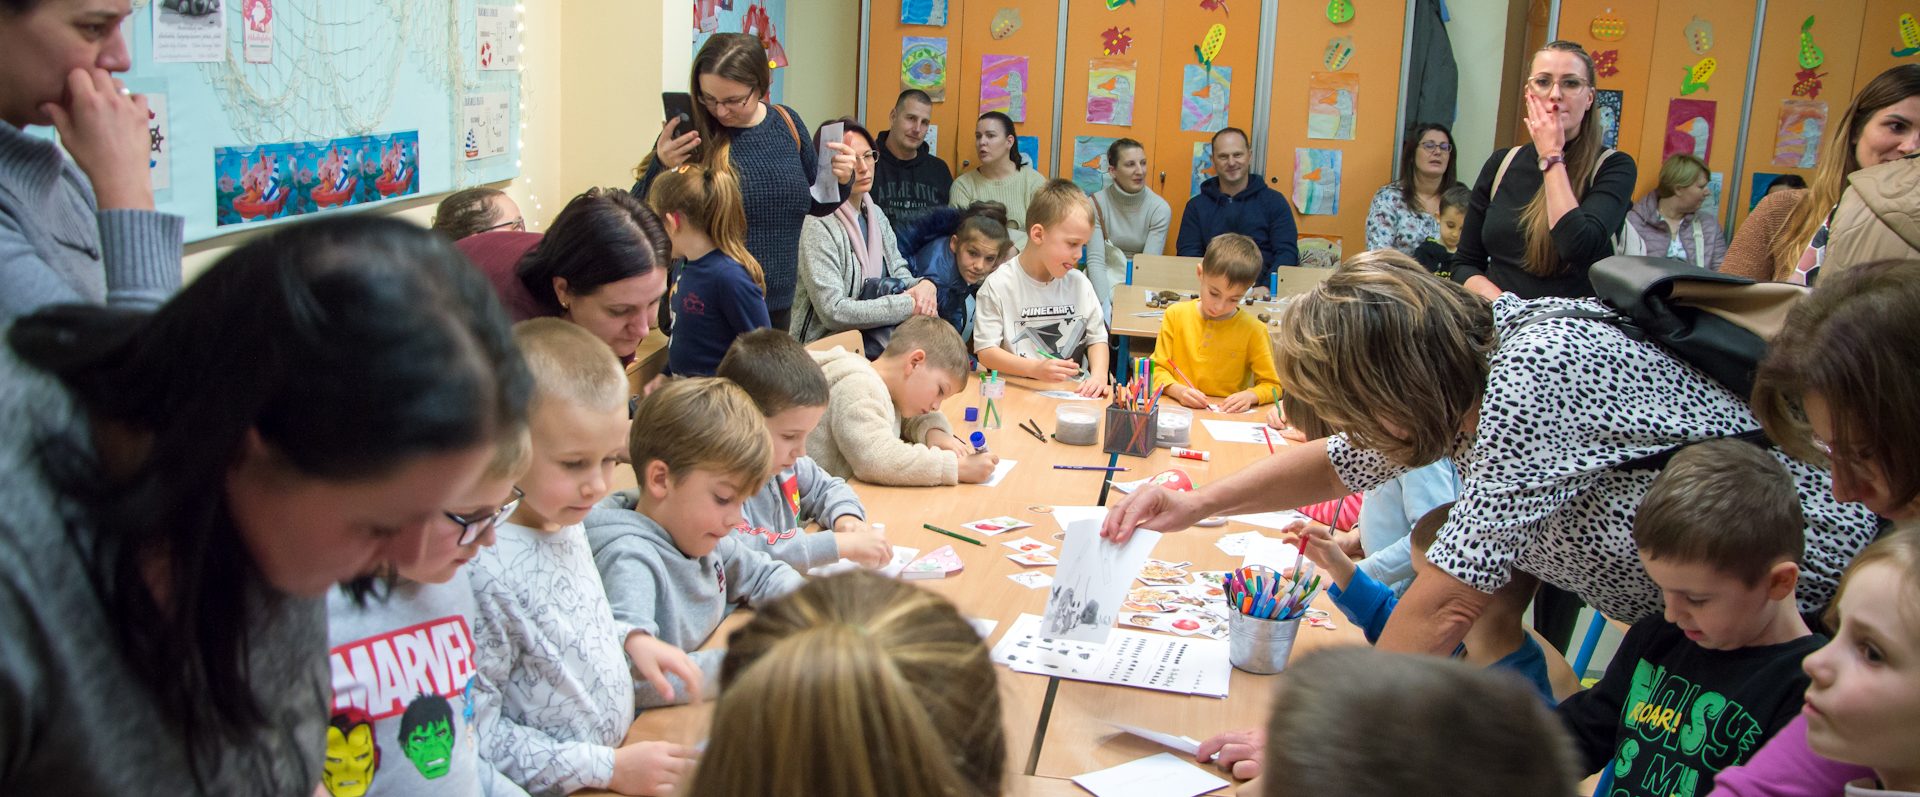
pixel 1130 432
pixel 1175 427
pixel 1076 424
pixel 1260 646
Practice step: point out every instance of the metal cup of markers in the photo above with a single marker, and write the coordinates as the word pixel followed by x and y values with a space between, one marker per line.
pixel 1260 646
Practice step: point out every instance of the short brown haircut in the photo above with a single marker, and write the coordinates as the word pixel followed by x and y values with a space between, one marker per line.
pixel 1051 204
pixel 570 364
pixel 704 423
pixel 933 335
pixel 1235 257
pixel 856 656
pixel 1723 503
pixel 1352 721
pixel 1854 344
pixel 775 370
pixel 1383 340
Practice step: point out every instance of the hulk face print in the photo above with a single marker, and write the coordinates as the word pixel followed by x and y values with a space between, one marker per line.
pixel 426 735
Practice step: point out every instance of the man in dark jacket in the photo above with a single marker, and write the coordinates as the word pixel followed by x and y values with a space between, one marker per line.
pixel 909 181
pixel 1236 200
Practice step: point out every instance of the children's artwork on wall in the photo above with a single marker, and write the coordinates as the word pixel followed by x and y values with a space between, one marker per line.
pixel 1806 83
pixel 1114 4
pixel 1608 103
pixel 1606 63
pixel 1761 182
pixel 1202 166
pixel 1090 162
pixel 1699 35
pixel 1209 46
pixel 1331 102
pixel 1810 54
pixel 1005 22
pixel 1316 181
pixel 276 181
pixel 923 65
pixel 1215 5
pixel 1003 85
pixel 1796 141
pixel 1029 147
pixel 1339 52
pixel 1689 129
pixel 1698 75
pixel 923 12
pixel 933 138
pixel 1110 85
pixel 1339 12
pixel 1116 40
pixel 1909 37
pixel 1716 183
pixel 1204 98
pixel 1608 27
pixel 760 23
pixel 159 142
pixel 1319 251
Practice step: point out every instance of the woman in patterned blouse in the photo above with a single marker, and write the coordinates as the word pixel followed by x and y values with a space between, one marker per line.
pixel 1404 211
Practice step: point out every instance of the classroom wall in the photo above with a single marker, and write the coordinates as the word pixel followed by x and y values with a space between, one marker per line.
pixel 1478 33
pixel 823 45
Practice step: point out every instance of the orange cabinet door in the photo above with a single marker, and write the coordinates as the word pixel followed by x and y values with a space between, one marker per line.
pixel 1189 93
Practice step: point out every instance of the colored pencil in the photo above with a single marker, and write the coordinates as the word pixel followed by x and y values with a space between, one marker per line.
pixel 1089 467
pixel 960 537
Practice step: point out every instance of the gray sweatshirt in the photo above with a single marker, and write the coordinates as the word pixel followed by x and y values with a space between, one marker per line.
pixel 403 668
pixel 74 719
pixel 674 597
pixel 777 516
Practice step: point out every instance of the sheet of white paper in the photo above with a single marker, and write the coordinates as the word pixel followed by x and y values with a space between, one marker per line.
pixel 1181 743
pixel 1129 487
pixel 1068 515
pixel 901 556
pixel 1066 395
pixel 1032 579
pixel 825 187
pixel 1270 552
pixel 1093 580
pixel 1160 775
pixel 1000 471
pixel 983 627
pixel 1236 544
pixel 1272 520
pixel 1183 665
pixel 1254 432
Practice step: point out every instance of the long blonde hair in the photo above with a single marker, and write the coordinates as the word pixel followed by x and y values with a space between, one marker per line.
pixel 710 200
pixel 855 686
pixel 1543 259
pixel 1837 161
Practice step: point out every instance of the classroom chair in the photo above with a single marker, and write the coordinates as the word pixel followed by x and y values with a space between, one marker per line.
pixel 1164 271
pixel 849 340
pixel 1296 280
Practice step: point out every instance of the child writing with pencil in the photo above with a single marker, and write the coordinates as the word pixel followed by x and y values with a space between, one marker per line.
pixel 1208 347
pixel 1038 315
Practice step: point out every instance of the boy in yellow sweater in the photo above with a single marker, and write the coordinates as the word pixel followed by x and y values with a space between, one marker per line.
pixel 1221 350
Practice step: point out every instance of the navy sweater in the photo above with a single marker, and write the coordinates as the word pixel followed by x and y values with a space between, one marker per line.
pixel 714 302
pixel 1257 212
pixel 775 173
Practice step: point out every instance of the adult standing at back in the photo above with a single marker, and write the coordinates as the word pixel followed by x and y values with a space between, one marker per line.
pixel 1667 222
pixel 767 147
pixel 909 181
pixel 1545 212
pixel 1128 219
pixel 1238 200
pixel 1882 125
pixel 1003 175
pixel 1405 213
pixel 80 230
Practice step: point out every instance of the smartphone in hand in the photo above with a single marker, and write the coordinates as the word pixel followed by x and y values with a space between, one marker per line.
pixel 678 104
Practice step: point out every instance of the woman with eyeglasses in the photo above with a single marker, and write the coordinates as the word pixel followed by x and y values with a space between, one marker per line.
pixel 182 488
pixel 77 225
pixel 852 275
pixel 473 211
pixel 766 145
pixel 1545 212
pixel 602 264
pixel 1405 213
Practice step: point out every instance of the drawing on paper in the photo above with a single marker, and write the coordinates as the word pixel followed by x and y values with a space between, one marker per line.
pixel 923 12
pixel 1110 84
pixel 1003 85
pixel 1319 251
pixel 1092 581
pixel 923 65
pixel 1608 103
pixel 1796 140
pixel 1205 95
pixel 1029 149
pixel 1090 162
pixel 1331 100
pixel 1202 165
pixel 1716 183
pixel 1316 181
pixel 1689 129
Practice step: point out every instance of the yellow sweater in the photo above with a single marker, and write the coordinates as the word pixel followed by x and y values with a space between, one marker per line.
pixel 1221 357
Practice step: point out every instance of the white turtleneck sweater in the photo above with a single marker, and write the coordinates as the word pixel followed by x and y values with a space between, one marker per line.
pixel 1135 222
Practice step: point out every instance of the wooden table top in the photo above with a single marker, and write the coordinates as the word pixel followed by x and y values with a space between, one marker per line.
pixel 1130 302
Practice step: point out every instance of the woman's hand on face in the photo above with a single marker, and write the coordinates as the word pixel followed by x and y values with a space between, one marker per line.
pixel 842 162
pixel 673 148
pixel 105 130
pixel 1543 124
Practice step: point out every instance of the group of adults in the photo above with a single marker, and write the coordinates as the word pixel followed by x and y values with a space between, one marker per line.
pixel 173 504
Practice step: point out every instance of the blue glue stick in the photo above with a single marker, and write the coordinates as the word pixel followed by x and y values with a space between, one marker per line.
pixel 978 440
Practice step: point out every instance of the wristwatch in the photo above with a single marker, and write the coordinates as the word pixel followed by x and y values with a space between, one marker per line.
pixel 1547 162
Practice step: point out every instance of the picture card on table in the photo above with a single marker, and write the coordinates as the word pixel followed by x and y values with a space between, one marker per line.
pixel 995 525
pixel 1033 559
pixel 902 555
pixel 1032 579
pixel 1000 471
pixel 1028 545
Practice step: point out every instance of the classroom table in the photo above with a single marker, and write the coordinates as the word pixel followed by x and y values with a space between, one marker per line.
pixel 1132 318
pixel 1056 728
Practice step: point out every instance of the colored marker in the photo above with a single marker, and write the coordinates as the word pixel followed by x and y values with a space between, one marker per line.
pixel 960 537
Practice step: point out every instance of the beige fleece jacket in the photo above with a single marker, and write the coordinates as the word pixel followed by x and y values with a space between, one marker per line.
pixel 862 435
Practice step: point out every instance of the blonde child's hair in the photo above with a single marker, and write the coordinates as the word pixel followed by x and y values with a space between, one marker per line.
pixel 1899 549
pixel 570 364
pixel 1051 204
pixel 710 200
pixel 1235 257
pixel 512 454
pixel 705 424
pixel 857 658
pixel 945 350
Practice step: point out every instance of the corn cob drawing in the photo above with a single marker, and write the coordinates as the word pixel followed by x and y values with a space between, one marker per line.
pixel 1698 75
pixel 1209 46
pixel 1909 36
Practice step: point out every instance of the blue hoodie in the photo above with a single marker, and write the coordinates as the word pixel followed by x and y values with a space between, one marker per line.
pixel 1257 212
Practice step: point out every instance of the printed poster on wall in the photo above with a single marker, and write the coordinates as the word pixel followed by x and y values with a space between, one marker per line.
pixel 923 65
pixel 160 146
pixel 1689 129
pixel 1331 102
pixel 1796 141
pixel 189 31
pixel 276 181
pixel 256 29
pixel 484 122
pixel 1316 181
pixel 1029 149
pixel 499 38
